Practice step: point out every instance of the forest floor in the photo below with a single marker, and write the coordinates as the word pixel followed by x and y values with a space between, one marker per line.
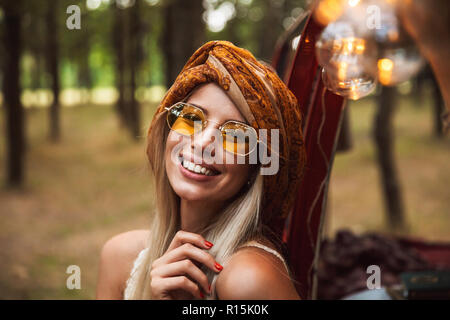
pixel 95 183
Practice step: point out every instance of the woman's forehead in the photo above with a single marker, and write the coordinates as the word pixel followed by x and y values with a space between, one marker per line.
pixel 215 102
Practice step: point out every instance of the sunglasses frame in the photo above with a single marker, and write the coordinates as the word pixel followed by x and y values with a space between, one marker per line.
pixel 168 109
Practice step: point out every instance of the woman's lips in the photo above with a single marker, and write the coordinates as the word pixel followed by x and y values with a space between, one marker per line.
pixel 194 176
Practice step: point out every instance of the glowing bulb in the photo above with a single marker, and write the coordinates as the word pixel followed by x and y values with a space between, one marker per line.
pixel 336 39
pixel 360 46
pixel 391 54
pixel 340 54
pixel 385 67
pixel 350 88
pixel 342 70
pixel 328 11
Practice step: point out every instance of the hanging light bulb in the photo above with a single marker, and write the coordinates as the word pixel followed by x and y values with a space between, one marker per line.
pixel 340 54
pixel 350 88
pixel 364 42
pixel 328 11
pixel 392 63
pixel 391 54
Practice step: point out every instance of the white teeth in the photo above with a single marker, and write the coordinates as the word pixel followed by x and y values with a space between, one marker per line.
pixel 196 168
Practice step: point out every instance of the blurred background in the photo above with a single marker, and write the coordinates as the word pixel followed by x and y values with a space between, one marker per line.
pixel 73 169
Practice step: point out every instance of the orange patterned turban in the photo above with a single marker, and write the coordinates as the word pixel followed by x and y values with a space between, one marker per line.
pixel 264 101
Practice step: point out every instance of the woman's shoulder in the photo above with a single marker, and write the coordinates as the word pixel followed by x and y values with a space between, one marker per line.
pixel 129 243
pixel 249 273
pixel 116 262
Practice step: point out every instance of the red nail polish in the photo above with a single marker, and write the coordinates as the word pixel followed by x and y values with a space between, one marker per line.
pixel 208 244
pixel 201 295
pixel 209 288
pixel 218 266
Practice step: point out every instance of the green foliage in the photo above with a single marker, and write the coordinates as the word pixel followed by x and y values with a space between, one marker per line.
pixel 87 58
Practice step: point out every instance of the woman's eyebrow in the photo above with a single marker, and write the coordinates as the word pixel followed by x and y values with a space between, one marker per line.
pixel 200 107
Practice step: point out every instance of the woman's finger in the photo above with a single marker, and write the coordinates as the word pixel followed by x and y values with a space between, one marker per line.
pixel 188 251
pixel 182 237
pixel 180 268
pixel 174 283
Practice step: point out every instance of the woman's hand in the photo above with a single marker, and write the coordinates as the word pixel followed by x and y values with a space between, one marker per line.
pixel 175 275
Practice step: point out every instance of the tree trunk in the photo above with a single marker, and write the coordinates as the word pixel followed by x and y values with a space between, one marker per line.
pixel 36 74
pixel 438 108
pixel 53 61
pixel 84 77
pixel 15 135
pixel 270 30
pixel 344 142
pixel 128 46
pixel 119 46
pixel 384 138
pixel 184 33
pixel 134 60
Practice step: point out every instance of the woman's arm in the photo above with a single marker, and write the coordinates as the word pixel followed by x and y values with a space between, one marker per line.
pixel 116 262
pixel 253 273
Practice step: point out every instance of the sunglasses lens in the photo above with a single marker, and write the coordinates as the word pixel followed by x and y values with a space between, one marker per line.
pixel 185 119
pixel 238 138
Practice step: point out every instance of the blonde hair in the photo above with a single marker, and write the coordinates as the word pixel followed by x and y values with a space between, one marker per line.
pixel 238 223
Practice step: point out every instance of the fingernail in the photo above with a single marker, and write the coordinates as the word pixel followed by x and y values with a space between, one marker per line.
pixel 208 244
pixel 218 266
pixel 209 288
pixel 201 295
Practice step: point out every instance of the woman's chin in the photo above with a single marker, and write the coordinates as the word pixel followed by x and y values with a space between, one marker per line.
pixel 194 196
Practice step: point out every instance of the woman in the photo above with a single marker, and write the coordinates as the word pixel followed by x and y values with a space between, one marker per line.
pixel 212 232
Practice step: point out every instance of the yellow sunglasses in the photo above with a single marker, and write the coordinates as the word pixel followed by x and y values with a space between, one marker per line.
pixel 186 119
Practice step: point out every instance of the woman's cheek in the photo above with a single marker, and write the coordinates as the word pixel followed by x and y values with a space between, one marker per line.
pixel 238 174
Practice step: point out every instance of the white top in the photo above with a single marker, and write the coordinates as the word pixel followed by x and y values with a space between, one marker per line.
pixel 131 282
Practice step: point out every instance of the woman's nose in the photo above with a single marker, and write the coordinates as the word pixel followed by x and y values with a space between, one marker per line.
pixel 206 139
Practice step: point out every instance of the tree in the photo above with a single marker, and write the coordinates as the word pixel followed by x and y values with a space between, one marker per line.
pixel 270 29
pixel 184 33
pixel 12 52
pixel 424 77
pixel 119 47
pixel 128 38
pixel 52 55
pixel 438 109
pixel 384 138
pixel 135 58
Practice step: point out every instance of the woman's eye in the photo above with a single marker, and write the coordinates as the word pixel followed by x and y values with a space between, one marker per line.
pixel 192 117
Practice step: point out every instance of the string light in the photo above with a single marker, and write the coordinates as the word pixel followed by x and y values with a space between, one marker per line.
pixel 363 43
pixel 340 54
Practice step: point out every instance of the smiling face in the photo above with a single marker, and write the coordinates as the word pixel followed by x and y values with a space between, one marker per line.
pixel 225 178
